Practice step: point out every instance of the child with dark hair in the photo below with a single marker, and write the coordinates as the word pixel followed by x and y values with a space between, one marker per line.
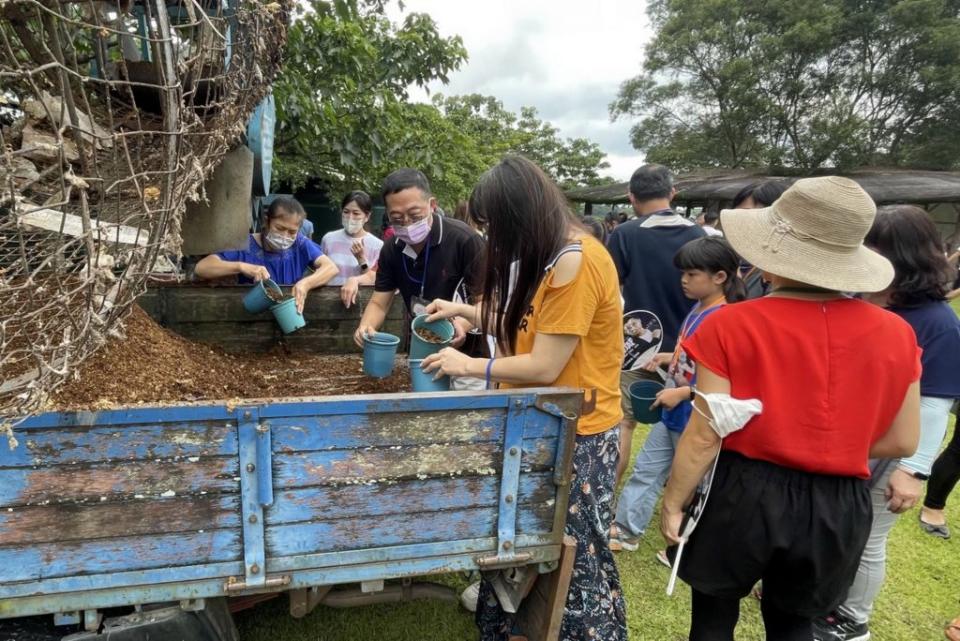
pixel 710 271
pixel 908 238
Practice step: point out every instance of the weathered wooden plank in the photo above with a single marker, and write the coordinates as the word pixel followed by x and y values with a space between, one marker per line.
pixel 48 560
pixel 375 465
pixel 408 497
pixel 541 612
pixel 116 481
pixel 200 303
pixel 72 522
pixel 372 430
pixel 120 443
pixel 356 534
pixel 215 314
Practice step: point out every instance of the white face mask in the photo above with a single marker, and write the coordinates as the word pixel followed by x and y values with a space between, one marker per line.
pixel 280 241
pixel 729 414
pixel 352 226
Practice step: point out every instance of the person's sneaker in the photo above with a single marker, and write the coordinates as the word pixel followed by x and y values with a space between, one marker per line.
pixel 837 627
pixel 620 542
pixel 469 597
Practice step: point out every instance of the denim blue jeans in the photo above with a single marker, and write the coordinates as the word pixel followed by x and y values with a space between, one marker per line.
pixel 650 471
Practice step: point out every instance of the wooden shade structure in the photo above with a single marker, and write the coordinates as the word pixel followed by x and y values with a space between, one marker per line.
pixel 937 191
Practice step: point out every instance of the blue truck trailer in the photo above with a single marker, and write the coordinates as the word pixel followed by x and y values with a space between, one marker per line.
pixel 139 522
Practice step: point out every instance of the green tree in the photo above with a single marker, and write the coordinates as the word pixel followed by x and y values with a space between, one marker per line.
pixel 571 162
pixel 345 118
pixel 342 94
pixel 844 83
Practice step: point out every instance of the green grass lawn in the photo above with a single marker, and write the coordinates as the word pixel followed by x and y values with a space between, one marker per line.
pixel 921 594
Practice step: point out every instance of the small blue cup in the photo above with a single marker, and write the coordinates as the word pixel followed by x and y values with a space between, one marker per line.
pixel 642 396
pixel 258 300
pixel 419 348
pixel 423 381
pixel 289 319
pixel 379 351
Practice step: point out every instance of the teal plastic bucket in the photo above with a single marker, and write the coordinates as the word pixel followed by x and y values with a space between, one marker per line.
pixel 258 299
pixel 442 331
pixel 642 396
pixel 423 381
pixel 289 319
pixel 379 351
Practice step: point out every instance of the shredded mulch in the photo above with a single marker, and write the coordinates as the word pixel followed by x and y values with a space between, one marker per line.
pixel 151 365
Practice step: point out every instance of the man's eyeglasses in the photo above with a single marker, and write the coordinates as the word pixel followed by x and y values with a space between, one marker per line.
pixel 406 219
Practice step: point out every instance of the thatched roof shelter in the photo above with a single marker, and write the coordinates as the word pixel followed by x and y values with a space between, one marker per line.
pixel 885 186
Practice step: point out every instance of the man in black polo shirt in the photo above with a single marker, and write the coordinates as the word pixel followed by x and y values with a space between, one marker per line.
pixel 432 256
pixel 643 249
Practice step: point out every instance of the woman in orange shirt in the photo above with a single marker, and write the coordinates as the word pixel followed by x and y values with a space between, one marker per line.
pixel 556 314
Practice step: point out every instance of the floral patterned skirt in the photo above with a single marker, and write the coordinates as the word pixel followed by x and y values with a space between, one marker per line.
pixel 595 608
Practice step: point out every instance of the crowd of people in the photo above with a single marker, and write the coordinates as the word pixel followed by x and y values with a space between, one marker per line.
pixel 807 362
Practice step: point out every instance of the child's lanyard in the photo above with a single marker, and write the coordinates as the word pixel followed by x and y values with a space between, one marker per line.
pixel 689 323
pixel 426 263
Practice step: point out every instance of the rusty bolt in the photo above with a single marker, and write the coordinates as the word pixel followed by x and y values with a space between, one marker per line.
pixel 513 451
pixel 507 545
pixel 247 415
pixel 254 569
pixel 251 467
pixel 263 428
pixel 253 518
pixel 518 403
pixel 508 498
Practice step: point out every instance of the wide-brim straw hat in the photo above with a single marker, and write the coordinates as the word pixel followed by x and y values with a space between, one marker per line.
pixel 813 234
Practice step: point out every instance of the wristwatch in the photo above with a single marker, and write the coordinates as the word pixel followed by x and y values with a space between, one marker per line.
pixel 920 476
pixel 363 267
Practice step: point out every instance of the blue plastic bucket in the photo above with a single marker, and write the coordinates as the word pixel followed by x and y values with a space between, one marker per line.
pixel 420 348
pixel 642 396
pixel 379 350
pixel 258 300
pixel 423 381
pixel 289 319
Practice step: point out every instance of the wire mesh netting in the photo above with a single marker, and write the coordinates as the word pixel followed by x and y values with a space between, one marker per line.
pixel 111 116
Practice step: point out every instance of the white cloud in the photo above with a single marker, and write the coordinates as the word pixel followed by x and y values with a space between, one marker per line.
pixel 567 58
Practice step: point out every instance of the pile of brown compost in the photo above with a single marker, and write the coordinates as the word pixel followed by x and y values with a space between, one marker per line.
pixel 151 365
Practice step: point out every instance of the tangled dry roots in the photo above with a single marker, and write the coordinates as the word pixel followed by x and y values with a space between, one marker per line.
pixel 111 116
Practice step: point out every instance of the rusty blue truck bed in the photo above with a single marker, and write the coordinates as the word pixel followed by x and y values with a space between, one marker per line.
pixel 142 505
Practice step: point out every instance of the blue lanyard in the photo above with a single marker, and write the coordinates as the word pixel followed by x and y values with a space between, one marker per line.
pixel 426 262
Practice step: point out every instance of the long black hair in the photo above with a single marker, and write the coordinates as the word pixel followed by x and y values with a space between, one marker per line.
pixel 907 237
pixel 713 255
pixel 528 220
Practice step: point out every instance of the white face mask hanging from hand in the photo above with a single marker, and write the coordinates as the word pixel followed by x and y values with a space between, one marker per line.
pixel 727 415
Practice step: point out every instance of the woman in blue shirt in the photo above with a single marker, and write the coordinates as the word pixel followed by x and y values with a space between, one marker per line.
pixel 907 236
pixel 280 252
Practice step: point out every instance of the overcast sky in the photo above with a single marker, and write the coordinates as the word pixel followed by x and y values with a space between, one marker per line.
pixel 565 57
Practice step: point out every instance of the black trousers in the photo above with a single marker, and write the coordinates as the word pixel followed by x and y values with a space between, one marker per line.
pixel 944 474
pixel 801 533
pixel 714 619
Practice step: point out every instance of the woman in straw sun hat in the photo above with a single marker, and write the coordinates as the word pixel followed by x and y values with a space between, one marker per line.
pixel 838 383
